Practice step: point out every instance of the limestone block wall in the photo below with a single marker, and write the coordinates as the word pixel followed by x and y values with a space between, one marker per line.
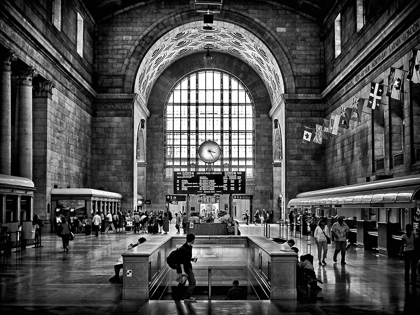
pixel 113 153
pixel 305 169
pixel 129 34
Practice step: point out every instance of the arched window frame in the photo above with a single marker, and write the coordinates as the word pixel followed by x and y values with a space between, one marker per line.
pixel 225 113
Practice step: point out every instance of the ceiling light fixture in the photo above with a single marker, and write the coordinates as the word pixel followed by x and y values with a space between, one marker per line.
pixel 208 56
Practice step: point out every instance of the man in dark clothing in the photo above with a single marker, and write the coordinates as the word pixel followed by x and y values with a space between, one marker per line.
pixel 235 292
pixel 184 269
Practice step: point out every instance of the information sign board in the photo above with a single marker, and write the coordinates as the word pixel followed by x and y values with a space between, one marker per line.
pixel 209 182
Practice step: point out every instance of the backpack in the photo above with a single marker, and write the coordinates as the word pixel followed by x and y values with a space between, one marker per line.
pixel 172 259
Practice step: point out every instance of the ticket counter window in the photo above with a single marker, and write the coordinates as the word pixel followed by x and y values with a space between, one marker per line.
pixel 11 207
pixel 25 209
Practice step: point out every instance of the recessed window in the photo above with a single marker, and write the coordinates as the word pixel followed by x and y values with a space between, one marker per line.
pixel 57 14
pixel 79 34
pixel 360 14
pixel 209 105
pixel 337 35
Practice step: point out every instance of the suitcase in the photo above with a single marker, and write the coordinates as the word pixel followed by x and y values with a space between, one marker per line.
pixel 156 229
pixel 150 229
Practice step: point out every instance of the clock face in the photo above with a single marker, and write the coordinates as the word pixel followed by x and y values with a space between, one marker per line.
pixel 209 151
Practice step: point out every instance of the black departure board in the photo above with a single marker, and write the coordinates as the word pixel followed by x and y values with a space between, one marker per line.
pixel 209 183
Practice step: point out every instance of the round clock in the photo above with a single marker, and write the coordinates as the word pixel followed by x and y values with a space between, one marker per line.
pixel 209 151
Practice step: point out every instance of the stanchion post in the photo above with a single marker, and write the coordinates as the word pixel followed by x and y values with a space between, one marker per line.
pixel 209 276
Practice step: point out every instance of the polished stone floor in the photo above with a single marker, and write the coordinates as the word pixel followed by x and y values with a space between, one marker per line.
pixel 47 281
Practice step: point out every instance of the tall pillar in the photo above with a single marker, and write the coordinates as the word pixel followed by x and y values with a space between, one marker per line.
pixel 6 115
pixel 42 100
pixel 25 123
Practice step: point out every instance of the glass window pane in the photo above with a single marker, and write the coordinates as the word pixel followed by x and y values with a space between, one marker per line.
pixel 193 78
pixel 249 152
pixel 201 123
pixel 234 111
pixel 177 96
pixel 193 152
pixel 184 111
pixel 184 124
pixel 169 124
pixel 216 111
pixel 193 109
pixel 202 110
pixel 209 79
pixel 184 152
pixel 209 125
pixel 192 124
pixel 234 96
pixel 216 124
pixel 241 97
pixel 177 111
pixel 248 124
pixel 235 138
pixel 235 124
pixel 169 110
pixel 201 80
pixel 217 137
pixel 216 96
pixel 225 96
pixel 177 153
pixel 242 139
pixel 193 141
pixel 241 151
pixel 249 173
pixel 184 84
pixel 193 98
pixel 234 84
pixel 249 111
pixel 202 96
pixel 177 124
pixel 242 123
pixel 225 123
pixel 225 82
pixel 226 151
pixel 184 96
pixel 217 80
pixel 209 97
pixel 248 101
pixel 242 111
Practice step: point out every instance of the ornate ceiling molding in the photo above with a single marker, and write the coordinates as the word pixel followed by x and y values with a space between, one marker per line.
pixel 225 37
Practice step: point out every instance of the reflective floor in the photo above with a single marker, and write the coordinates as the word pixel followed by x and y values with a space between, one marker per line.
pixel 47 281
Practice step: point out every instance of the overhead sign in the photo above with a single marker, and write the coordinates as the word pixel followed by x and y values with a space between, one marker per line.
pixel 209 183
pixel 172 199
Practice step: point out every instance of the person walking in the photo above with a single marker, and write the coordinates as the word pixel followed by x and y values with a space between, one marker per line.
pixel 322 235
pixel 178 222
pixel 96 223
pixel 165 223
pixel 185 270
pixel 409 240
pixel 65 234
pixel 339 232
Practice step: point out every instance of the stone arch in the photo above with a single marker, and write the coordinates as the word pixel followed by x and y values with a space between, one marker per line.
pixel 252 25
pixel 220 61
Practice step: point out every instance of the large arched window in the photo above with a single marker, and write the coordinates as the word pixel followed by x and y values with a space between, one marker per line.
pixel 209 105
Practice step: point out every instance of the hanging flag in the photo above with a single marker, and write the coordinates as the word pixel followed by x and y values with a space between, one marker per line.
pixel 319 131
pixel 414 67
pixel 334 122
pixel 326 129
pixel 395 82
pixel 307 134
pixel 343 122
pixel 357 108
pixel 375 95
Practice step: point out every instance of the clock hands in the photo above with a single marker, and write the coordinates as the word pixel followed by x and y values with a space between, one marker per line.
pixel 211 152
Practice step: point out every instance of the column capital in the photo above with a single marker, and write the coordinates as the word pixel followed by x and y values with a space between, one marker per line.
pixel 43 88
pixel 27 75
pixel 7 61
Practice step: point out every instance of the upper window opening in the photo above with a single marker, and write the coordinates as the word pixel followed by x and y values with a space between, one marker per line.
pixel 79 34
pixel 337 35
pixel 360 14
pixel 57 14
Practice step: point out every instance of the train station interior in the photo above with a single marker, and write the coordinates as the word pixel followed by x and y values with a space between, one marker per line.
pixel 248 119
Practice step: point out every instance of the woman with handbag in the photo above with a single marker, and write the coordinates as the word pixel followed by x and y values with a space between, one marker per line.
pixel 322 239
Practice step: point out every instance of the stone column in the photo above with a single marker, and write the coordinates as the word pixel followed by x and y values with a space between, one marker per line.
pixel 25 123
pixel 42 100
pixel 6 115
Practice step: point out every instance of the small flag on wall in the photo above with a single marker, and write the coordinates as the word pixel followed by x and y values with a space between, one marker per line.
pixel 357 108
pixel 319 131
pixel 395 82
pixel 334 122
pixel 307 134
pixel 376 91
pixel 414 67
pixel 326 129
